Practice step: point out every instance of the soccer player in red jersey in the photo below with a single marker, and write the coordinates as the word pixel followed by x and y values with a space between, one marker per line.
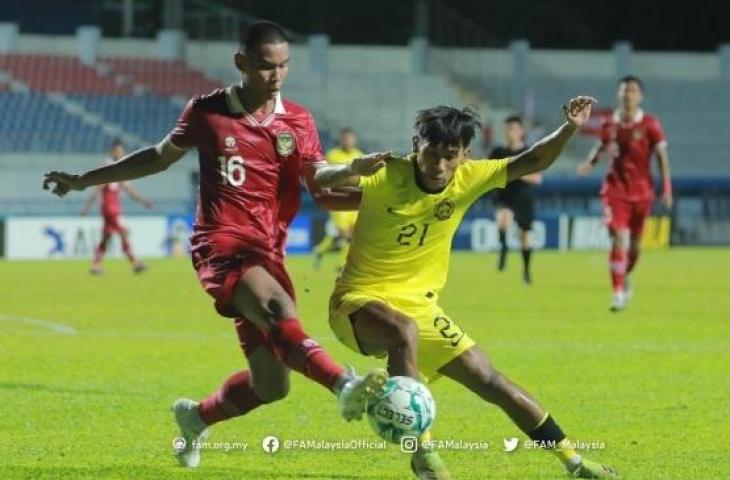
pixel 253 150
pixel 630 138
pixel 111 212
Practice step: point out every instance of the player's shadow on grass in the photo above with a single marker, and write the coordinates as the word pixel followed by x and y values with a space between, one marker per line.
pixel 38 387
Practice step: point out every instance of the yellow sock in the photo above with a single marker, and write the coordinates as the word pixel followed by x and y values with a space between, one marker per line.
pixel 324 245
pixel 424 438
pixel 343 253
pixel 566 453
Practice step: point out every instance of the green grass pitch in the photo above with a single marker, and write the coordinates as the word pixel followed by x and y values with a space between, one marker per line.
pixel 89 367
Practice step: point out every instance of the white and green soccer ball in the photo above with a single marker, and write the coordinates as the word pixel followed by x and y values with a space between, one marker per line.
pixel 405 408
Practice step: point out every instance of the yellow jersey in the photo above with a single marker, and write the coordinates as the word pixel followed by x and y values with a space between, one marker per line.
pixel 402 238
pixel 339 156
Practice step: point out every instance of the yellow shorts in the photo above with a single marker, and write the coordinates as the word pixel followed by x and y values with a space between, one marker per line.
pixel 344 220
pixel 440 338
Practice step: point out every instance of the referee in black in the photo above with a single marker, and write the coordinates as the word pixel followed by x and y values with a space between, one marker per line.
pixel 515 202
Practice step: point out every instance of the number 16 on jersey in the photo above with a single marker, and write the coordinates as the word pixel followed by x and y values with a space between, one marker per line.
pixel 232 170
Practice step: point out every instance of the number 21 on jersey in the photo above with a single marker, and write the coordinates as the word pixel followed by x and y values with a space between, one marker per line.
pixel 233 171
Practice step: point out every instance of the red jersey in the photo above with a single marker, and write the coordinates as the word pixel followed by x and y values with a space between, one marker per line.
pixel 249 169
pixel 629 176
pixel 110 204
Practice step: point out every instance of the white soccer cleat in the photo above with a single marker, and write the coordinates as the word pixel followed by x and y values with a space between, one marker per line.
pixel 192 432
pixel 619 301
pixel 358 391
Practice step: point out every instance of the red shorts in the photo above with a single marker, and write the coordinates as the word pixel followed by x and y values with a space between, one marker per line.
pixel 220 272
pixel 112 224
pixel 620 214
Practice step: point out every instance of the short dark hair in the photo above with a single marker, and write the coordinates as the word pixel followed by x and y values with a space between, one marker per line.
pixel 260 33
pixel 117 142
pixel 632 78
pixel 513 119
pixel 347 130
pixel 448 126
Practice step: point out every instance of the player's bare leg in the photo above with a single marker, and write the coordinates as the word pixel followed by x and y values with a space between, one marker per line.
pixel 137 265
pixel 618 264
pixel 526 255
pixel 379 330
pixel 633 258
pixel 505 216
pixel 96 268
pixel 382 330
pixel 474 370
pixel 266 381
pixel 261 299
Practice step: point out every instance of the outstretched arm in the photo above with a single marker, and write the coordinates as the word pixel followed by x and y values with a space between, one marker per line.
pixel 663 157
pixel 585 167
pixel 344 198
pixel 89 202
pixel 544 152
pixel 141 163
pixel 331 176
pixel 134 194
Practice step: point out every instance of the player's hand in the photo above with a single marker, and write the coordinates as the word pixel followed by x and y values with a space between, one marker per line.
pixel 64 183
pixel 584 168
pixel 369 164
pixel 578 110
pixel 667 200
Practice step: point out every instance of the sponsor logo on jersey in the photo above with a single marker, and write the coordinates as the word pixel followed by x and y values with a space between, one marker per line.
pixel 230 143
pixel 285 143
pixel 444 209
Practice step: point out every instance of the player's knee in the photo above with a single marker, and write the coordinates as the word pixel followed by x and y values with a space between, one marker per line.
pixel 272 392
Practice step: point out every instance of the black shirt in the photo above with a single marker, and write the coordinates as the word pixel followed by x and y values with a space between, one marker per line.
pixel 515 187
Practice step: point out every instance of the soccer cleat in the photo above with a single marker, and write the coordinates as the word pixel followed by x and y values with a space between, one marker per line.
pixel 355 394
pixel 139 267
pixel 589 469
pixel 619 301
pixel 527 277
pixel 96 270
pixel 192 432
pixel 427 465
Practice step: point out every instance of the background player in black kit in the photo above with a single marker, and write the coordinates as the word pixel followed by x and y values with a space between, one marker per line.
pixel 515 202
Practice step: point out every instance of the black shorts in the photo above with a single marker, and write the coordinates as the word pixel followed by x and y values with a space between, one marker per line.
pixel 521 204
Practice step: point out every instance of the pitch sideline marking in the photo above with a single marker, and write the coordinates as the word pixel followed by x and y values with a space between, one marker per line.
pixel 54 326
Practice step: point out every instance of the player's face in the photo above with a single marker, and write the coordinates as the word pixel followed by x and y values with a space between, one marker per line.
pixel 348 140
pixel 438 163
pixel 265 67
pixel 117 152
pixel 630 95
pixel 514 133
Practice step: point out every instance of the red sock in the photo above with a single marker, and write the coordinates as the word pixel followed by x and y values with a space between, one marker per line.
pixel 235 398
pixel 633 258
pixel 127 249
pixel 304 355
pixel 617 262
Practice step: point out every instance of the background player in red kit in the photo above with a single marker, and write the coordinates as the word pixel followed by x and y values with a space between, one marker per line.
pixel 630 138
pixel 253 148
pixel 111 212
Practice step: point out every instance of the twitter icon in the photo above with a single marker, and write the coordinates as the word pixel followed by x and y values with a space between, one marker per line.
pixel 510 444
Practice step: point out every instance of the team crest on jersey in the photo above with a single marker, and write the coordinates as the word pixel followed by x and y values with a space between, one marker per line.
pixel 230 143
pixel 444 209
pixel 637 134
pixel 285 143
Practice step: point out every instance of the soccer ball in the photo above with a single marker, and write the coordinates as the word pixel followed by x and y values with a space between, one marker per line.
pixel 404 408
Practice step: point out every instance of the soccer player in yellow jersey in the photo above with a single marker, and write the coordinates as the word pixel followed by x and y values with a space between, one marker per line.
pixel 385 302
pixel 343 221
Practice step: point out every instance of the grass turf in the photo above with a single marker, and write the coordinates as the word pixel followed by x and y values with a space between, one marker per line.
pixel 90 365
